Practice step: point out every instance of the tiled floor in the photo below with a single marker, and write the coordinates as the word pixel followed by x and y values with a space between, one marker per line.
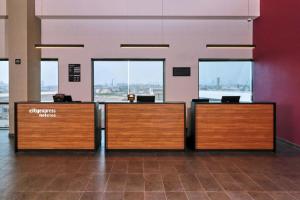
pixel 150 176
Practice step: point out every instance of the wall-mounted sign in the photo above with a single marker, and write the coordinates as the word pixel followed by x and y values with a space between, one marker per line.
pixel 74 72
pixel 181 71
pixel 43 113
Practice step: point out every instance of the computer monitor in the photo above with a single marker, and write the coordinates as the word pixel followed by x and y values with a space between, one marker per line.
pixel 68 98
pixel 230 99
pixel 59 98
pixel 145 99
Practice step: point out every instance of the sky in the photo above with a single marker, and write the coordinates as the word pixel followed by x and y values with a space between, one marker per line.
pixel 4 71
pixel 146 72
pixel 137 72
pixel 229 72
pixel 49 73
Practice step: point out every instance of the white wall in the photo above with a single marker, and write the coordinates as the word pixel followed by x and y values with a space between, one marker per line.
pixel 102 39
pixel 3 8
pixel 201 8
pixel 2 39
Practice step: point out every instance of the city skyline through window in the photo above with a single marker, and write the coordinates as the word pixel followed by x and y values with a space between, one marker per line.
pixel 49 80
pixel 113 80
pixel 225 78
pixel 4 93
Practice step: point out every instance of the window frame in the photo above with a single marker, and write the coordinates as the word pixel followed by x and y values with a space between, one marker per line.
pixel 163 60
pixel 226 60
pixel 2 102
pixel 58 77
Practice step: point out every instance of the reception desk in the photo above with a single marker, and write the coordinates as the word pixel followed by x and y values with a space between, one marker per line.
pixel 56 126
pixel 244 126
pixel 146 126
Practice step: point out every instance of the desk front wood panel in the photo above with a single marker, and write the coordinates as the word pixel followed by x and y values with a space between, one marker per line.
pixel 72 128
pixel 145 126
pixel 235 126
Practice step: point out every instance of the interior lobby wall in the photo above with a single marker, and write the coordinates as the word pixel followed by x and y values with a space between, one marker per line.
pixel 2 39
pixel 277 68
pixel 102 39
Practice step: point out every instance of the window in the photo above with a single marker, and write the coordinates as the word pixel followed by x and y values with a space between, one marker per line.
pixel 225 78
pixel 4 94
pixel 114 79
pixel 49 80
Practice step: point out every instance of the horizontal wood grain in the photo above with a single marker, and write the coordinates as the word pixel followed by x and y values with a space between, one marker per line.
pixel 145 126
pixel 234 126
pixel 73 127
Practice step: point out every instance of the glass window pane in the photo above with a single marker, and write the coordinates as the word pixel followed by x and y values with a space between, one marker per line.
pixel 4 76
pixel 146 78
pixel 110 81
pixel 4 94
pixel 113 80
pixel 49 80
pixel 225 78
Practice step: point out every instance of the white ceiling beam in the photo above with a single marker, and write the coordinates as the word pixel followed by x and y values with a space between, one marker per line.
pixel 194 9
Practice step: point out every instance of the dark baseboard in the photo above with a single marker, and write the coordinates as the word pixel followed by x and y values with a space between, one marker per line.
pixel 289 143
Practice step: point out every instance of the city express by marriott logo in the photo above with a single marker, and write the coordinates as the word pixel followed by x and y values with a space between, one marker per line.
pixel 43 113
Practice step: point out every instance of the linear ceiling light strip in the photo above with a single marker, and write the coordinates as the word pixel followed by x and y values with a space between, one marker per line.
pixel 41 46
pixel 231 46
pixel 144 45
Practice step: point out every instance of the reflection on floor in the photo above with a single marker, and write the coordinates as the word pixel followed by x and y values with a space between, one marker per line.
pixel 148 175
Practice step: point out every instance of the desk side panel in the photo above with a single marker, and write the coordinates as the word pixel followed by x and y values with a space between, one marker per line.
pixel 235 126
pixel 145 126
pixel 73 127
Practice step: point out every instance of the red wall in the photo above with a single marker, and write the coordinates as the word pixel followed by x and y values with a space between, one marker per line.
pixel 277 63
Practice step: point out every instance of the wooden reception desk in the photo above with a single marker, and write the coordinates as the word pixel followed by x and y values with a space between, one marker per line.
pixel 147 126
pixel 56 126
pixel 244 126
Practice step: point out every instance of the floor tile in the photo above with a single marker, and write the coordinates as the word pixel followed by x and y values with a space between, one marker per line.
pixel 120 167
pixel 59 196
pixel 264 182
pixel 190 182
pixel 172 183
pixel 281 196
pixel 218 196
pixel 296 195
pixel 176 196
pixel 197 196
pixel 245 182
pixel 260 196
pixel 113 196
pixel 239 196
pixel 116 183
pixel 97 182
pixel 155 196
pixel 151 167
pixel 135 183
pixel 153 182
pixel 227 182
pixel 208 182
pixel 92 196
pixel 135 167
pixel 134 196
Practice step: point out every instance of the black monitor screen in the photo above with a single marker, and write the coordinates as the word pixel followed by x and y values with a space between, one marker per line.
pixel 145 99
pixel 230 99
pixel 68 98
